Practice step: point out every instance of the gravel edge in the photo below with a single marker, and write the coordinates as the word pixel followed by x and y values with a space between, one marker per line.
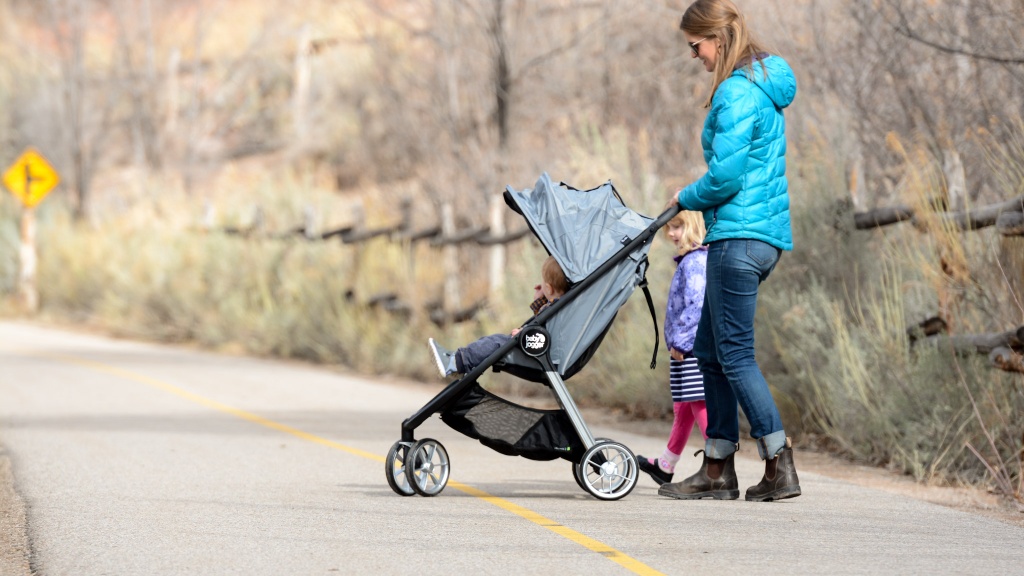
pixel 14 544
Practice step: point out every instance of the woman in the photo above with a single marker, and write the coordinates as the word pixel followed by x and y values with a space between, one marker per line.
pixel 745 200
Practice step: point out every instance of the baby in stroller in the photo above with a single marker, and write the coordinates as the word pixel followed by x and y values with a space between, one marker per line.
pixel 553 285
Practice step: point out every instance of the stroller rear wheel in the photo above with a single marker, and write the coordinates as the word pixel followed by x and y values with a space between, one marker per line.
pixel 576 468
pixel 427 467
pixel 394 468
pixel 608 470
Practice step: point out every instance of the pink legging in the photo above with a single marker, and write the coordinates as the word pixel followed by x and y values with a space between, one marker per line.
pixel 686 413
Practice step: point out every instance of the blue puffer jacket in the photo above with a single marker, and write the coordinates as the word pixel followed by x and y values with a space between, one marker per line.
pixel 744 193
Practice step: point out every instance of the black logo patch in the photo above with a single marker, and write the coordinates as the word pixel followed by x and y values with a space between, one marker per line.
pixel 535 341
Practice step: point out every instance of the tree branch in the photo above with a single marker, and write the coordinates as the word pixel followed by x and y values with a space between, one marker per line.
pixel 903 28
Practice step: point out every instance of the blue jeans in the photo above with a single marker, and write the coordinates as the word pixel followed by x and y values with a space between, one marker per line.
pixel 471 355
pixel 724 348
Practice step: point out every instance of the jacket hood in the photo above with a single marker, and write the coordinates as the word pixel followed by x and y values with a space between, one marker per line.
pixel 780 83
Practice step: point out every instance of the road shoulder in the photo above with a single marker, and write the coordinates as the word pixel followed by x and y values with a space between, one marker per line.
pixel 14 543
pixel 968 499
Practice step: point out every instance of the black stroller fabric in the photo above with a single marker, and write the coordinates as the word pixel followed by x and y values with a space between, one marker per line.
pixel 514 430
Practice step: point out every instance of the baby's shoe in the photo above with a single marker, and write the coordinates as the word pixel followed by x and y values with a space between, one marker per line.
pixel 442 358
pixel 652 468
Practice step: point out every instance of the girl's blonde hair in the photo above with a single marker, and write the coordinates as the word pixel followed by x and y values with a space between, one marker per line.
pixel 692 224
pixel 723 21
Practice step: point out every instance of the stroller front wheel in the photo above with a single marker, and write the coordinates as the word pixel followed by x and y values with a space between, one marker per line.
pixel 394 468
pixel 608 470
pixel 427 467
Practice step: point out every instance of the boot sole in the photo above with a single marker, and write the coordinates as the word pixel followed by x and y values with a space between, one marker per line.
pixel 780 494
pixel 716 494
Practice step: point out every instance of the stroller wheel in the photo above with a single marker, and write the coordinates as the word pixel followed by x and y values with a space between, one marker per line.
pixel 428 468
pixel 608 470
pixel 576 477
pixel 394 469
pixel 576 468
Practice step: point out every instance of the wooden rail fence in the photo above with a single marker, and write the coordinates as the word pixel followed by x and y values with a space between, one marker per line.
pixel 443 236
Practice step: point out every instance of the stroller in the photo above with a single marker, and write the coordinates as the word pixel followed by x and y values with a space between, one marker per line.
pixel 602 248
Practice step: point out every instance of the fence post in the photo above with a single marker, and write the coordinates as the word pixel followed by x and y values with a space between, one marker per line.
pixel 497 272
pixel 357 249
pixel 450 258
pixel 856 183
pixel 27 252
pixel 309 222
pixel 956 180
pixel 303 72
pixel 410 247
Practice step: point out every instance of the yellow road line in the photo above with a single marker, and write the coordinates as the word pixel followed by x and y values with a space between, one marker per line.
pixel 627 562
pixel 633 565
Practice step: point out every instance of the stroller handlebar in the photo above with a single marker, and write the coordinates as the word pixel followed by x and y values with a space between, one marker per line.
pixel 667 215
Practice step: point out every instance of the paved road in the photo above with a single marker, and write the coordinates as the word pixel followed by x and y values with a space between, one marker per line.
pixel 141 459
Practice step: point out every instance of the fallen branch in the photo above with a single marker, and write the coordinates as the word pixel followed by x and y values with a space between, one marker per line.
pixel 882 217
pixel 1007 360
pixel 1010 224
pixel 965 344
pixel 488 240
pixel 439 317
pixel 982 217
pixel 930 327
pixel 416 235
pixel 966 220
pixel 460 237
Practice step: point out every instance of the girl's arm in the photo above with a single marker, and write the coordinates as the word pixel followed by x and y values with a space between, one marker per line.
pixel 686 302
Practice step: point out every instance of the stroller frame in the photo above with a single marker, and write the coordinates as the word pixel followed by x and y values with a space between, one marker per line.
pixel 607 470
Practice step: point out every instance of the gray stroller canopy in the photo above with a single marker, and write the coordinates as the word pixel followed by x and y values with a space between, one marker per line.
pixel 582 229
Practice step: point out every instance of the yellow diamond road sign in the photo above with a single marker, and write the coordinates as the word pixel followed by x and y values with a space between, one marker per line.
pixel 31 178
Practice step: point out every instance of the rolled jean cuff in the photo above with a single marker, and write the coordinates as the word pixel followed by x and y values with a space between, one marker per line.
pixel 769 446
pixel 719 449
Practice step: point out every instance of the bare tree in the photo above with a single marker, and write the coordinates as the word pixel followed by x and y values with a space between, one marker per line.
pixel 138 77
pixel 82 102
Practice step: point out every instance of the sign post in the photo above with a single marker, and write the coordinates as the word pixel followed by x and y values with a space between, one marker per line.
pixel 30 178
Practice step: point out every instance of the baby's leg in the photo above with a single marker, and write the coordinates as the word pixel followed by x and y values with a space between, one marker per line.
pixel 471 355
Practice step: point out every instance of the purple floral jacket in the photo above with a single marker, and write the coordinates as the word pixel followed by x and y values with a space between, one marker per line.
pixel 685 300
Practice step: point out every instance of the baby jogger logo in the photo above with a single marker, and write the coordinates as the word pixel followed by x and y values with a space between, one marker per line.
pixel 535 341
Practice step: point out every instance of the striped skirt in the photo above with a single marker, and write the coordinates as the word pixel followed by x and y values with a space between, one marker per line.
pixel 685 380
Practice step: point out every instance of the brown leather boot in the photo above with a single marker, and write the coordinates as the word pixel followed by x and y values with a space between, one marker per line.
pixel 715 479
pixel 780 480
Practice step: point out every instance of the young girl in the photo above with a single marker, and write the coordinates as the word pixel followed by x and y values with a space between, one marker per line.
pixel 685 300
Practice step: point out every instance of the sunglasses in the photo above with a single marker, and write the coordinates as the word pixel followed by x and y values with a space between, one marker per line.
pixel 693 45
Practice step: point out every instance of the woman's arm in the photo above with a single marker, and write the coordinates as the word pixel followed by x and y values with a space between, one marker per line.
pixel 734 113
